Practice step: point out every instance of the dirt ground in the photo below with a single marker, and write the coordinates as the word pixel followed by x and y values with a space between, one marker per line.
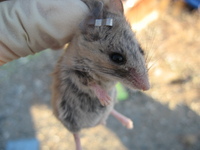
pixel 167 117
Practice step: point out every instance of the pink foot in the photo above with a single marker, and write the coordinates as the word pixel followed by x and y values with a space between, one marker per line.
pixel 77 141
pixel 101 94
pixel 123 119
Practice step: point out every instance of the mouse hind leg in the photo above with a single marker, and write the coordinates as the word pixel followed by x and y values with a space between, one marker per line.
pixel 123 119
pixel 77 141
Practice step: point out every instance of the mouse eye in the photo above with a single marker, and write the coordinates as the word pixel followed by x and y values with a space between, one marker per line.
pixel 117 58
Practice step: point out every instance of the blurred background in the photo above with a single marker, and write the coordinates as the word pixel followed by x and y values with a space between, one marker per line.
pixel 167 117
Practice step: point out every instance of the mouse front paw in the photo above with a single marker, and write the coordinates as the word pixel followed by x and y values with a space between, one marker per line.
pixel 105 100
pixel 101 94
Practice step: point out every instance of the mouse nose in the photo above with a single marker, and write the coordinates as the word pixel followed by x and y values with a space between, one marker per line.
pixel 142 83
pixel 145 86
pixel 140 80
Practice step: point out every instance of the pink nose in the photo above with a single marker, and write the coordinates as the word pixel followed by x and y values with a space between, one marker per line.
pixel 140 81
pixel 145 86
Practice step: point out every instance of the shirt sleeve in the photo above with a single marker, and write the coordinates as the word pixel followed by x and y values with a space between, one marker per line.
pixel 29 26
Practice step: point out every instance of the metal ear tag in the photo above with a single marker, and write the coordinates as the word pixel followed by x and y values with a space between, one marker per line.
pixel 109 22
pixel 98 22
pixel 101 22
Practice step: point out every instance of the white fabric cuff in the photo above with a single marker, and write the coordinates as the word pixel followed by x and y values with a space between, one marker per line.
pixel 29 26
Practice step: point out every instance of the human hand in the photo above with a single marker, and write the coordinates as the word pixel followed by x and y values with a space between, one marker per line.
pixel 30 26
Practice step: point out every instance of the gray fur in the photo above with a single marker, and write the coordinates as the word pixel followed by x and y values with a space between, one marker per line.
pixel 77 106
pixel 86 61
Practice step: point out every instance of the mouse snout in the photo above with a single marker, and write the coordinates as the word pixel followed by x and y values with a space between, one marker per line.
pixel 145 86
pixel 139 80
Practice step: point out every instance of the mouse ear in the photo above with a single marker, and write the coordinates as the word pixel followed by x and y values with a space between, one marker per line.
pixel 95 7
pixel 115 6
pixel 96 12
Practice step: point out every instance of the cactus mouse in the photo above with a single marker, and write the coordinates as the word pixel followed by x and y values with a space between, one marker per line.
pixel 102 52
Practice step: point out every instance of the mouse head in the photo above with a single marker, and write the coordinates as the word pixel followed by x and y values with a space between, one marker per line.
pixel 106 45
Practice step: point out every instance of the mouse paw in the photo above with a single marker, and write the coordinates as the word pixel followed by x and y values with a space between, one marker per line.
pixel 128 123
pixel 102 95
pixel 105 101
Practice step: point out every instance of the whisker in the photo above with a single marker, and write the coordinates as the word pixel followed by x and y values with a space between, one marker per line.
pixel 150 67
